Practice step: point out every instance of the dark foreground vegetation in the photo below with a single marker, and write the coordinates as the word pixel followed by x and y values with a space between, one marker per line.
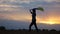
pixel 24 31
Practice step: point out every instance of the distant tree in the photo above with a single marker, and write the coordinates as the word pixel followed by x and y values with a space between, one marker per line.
pixel 44 29
pixel 39 29
pixel 53 30
pixel 2 28
pixel 24 29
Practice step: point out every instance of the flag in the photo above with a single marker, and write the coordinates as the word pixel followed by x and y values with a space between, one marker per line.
pixel 40 8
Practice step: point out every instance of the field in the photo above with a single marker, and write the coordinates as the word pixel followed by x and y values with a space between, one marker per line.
pixel 27 32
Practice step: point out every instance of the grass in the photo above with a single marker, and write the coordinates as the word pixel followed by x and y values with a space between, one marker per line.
pixel 28 32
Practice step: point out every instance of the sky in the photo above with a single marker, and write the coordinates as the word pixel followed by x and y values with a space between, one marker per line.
pixel 15 13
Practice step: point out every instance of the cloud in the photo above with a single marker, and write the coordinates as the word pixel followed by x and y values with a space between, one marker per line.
pixel 52 0
pixel 6 5
pixel 26 1
pixel 15 1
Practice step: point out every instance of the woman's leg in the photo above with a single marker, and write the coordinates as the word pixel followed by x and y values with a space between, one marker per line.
pixel 30 26
pixel 36 26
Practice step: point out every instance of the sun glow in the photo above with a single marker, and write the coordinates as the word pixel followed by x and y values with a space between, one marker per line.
pixel 50 20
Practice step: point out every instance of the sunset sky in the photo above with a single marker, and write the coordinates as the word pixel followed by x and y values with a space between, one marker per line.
pixel 18 11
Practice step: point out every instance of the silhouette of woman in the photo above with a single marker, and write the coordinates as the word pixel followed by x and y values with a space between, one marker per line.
pixel 33 12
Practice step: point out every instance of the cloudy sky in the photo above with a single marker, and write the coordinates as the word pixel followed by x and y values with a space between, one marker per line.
pixel 18 11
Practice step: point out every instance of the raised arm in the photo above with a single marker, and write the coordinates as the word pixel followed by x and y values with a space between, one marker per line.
pixel 30 11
